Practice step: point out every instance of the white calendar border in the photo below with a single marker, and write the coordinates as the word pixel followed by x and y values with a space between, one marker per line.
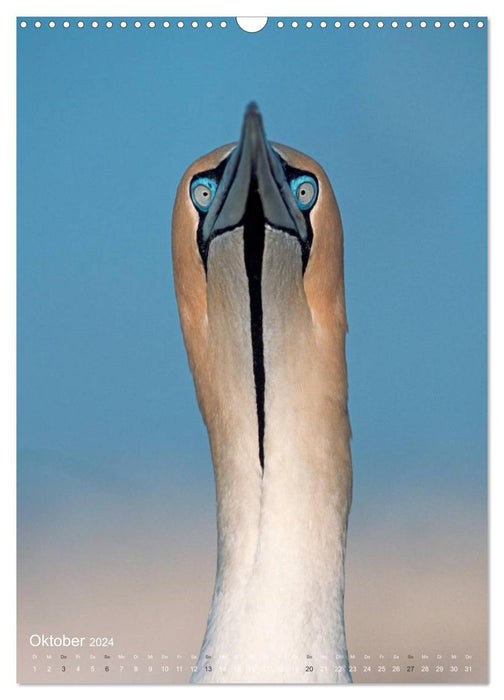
pixel 7 301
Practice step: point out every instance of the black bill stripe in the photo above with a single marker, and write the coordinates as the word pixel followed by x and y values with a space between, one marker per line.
pixel 253 235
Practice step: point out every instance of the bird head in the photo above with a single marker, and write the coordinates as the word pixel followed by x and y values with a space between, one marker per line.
pixel 247 216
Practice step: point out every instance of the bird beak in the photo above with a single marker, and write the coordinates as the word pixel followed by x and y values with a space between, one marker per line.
pixel 254 167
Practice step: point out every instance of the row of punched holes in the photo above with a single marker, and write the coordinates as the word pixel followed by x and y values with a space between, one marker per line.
pixel 280 24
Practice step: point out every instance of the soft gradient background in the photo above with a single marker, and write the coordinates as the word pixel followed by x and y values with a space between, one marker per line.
pixel 116 495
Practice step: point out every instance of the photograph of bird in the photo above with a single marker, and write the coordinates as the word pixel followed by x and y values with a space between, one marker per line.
pixel 257 248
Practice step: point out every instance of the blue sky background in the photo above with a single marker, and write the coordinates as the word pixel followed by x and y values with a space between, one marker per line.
pixel 108 120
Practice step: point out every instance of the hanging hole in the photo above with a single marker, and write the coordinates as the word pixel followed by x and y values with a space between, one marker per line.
pixel 252 24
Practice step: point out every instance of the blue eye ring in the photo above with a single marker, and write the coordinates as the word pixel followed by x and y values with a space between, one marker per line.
pixel 203 191
pixel 305 198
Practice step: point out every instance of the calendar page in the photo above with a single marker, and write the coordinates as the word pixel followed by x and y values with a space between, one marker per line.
pixel 252 350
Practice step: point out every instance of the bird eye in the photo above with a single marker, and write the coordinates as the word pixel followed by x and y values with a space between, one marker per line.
pixel 305 191
pixel 203 191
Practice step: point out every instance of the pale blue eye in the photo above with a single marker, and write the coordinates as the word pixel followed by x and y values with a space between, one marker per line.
pixel 203 191
pixel 305 190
